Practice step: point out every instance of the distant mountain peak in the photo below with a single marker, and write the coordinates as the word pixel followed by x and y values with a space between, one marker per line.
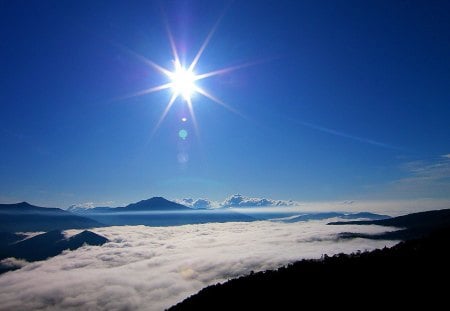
pixel 18 204
pixel 155 203
pixel 155 199
pixel 86 237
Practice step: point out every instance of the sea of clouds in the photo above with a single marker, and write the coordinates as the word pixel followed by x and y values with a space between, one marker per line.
pixel 152 268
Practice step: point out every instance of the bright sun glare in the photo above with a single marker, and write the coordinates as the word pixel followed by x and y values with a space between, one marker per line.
pixel 183 82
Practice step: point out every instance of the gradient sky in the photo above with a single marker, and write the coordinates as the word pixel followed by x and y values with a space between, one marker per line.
pixel 347 100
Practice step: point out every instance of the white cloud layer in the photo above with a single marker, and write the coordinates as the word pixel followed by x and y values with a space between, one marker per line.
pixel 152 268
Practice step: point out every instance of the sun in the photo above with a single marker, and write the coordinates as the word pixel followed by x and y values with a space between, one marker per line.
pixel 183 82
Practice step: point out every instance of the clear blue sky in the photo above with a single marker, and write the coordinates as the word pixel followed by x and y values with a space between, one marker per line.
pixel 349 100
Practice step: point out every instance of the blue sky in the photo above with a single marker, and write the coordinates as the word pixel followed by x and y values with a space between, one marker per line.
pixel 346 100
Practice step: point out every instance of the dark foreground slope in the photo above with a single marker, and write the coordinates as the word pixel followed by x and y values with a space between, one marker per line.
pixel 412 273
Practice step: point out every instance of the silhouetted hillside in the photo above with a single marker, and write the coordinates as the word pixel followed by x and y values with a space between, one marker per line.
pixel 412 273
pixel 414 220
pixel 7 238
pixel 49 244
pixel 27 217
pixel 326 215
pixel 412 225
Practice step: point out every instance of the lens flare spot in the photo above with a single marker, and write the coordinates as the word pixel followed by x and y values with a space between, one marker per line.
pixel 183 134
pixel 183 119
pixel 183 158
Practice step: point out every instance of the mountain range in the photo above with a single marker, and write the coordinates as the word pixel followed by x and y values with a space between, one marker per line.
pixel 156 211
pixel 150 205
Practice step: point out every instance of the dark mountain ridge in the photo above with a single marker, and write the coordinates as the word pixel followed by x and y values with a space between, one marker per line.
pixel 153 204
pixel 26 217
pixel 46 245
pixel 420 219
pixel 7 238
pixel 411 226
pixel 326 215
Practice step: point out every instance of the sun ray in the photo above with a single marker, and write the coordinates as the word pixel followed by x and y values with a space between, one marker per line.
pixel 203 47
pixel 172 43
pixel 156 66
pixel 218 101
pixel 206 42
pixel 166 110
pixel 147 61
pixel 173 46
pixel 226 70
pixel 148 91
pixel 192 113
